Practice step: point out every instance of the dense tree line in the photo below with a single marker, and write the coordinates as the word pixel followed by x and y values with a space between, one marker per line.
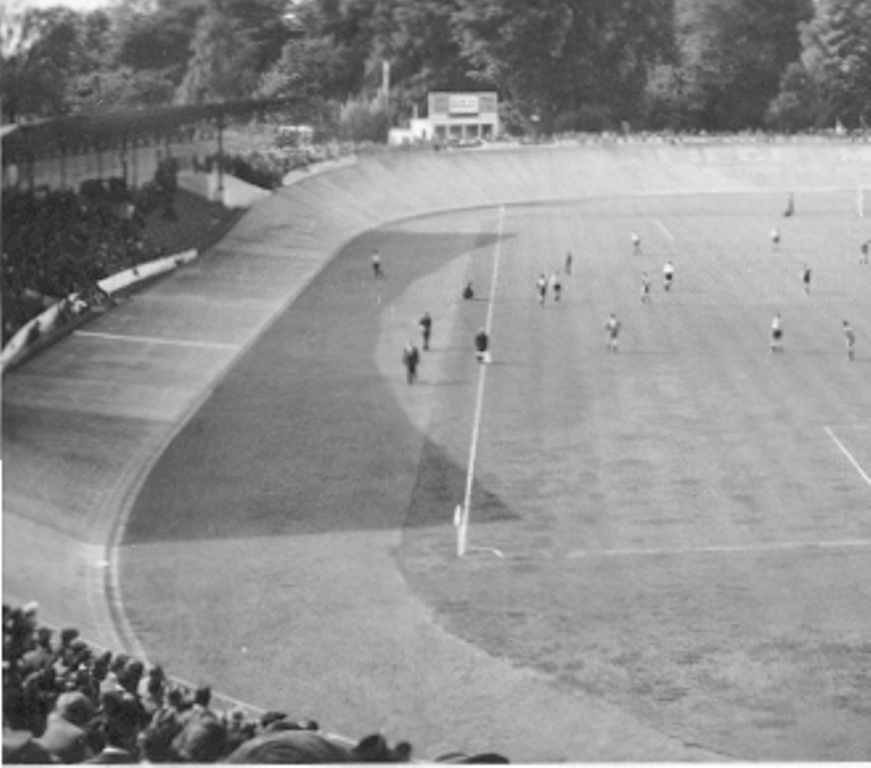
pixel 557 64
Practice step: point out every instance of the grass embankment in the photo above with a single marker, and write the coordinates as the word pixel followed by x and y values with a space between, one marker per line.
pixel 200 223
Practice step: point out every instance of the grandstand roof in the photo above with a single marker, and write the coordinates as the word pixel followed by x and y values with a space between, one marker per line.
pixel 76 133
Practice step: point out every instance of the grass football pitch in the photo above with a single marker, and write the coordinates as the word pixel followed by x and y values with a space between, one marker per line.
pixel 684 525
pixel 681 529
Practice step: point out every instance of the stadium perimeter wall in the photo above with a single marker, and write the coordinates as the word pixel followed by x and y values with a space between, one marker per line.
pixel 318 216
pixel 400 185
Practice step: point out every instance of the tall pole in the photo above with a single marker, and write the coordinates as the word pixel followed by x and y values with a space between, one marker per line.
pixel 385 81
pixel 221 156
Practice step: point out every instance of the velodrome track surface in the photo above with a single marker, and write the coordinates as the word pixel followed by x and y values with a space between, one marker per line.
pixel 88 440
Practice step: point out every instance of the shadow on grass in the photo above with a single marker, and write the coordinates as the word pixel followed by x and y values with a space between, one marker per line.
pixel 303 436
pixel 441 486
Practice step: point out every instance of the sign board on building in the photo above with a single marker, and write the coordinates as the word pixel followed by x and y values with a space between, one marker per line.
pixel 463 118
pixel 462 104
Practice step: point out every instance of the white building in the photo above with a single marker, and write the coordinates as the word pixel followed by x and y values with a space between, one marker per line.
pixel 463 117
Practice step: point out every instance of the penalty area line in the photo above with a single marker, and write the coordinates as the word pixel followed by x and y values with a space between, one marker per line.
pixel 664 229
pixel 850 457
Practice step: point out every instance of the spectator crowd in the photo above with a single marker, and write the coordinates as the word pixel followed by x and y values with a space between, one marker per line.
pixel 66 702
pixel 56 243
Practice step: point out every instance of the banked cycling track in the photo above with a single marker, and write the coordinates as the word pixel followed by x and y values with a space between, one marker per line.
pixel 87 421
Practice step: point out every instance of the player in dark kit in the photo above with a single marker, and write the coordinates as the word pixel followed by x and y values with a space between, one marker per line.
pixel 806 278
pixel 482 346
pixel 667 275
pixel 775 240
pixel 556 286
pixel 425 329
pixel 850 338
pixel 376 264
pixel 777 334
pixel 410 358
pixel 612 328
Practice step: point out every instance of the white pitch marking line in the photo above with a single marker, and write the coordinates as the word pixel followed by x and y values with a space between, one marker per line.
pixel 849 456
pixel 153 340
pixel 482 376
pixel 664 229
pixel 735 548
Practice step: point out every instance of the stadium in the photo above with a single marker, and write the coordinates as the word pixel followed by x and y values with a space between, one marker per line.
pixel 564 555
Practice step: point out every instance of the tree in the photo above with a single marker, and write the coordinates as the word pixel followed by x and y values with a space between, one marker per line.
pixel 731 57
pixel 416 38
pixel 41 51
pixel 327 54
pixel 837 56
pixel 263 24
pixel 519 48
pixel 560 56
pixel 155 39
pixel 308 68
pixel 220 67
pixel 799 104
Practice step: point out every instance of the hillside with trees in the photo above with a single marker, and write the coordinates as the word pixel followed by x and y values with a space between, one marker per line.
pixel 558 65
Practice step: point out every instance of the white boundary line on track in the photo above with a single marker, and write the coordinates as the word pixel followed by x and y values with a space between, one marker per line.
pixel 723 549
pixel 664 229
pixel 479 404
pixel 849 456
pixel 154 340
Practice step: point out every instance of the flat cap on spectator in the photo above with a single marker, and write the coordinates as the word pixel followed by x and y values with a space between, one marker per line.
pixel 290 747
pixel 375 749
pixel 372 749
pixel 202 741
pixel 267 718
pixel 75 707
pixel 283 725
